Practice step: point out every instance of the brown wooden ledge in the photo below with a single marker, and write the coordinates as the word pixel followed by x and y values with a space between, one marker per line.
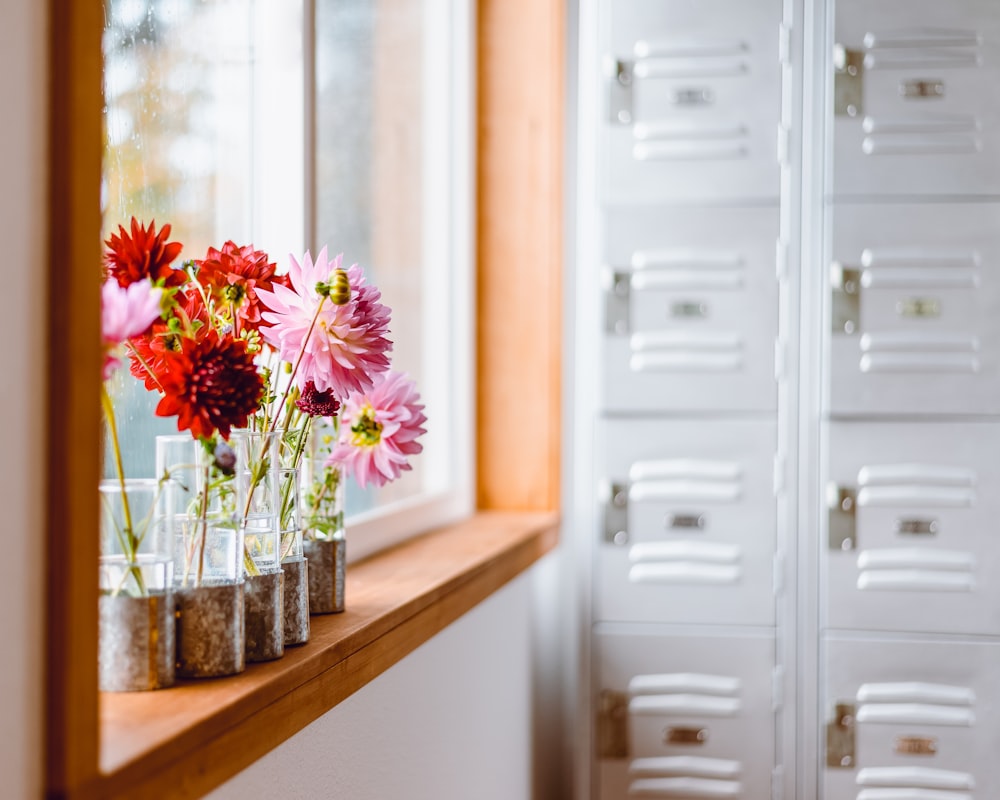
pixel 184 741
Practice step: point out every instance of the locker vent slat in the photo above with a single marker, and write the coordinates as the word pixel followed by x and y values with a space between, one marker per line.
pixel 684 766
pixel 685 682
pixel 906 793
pixel 916 778
pixel 915 691
pixel 686 788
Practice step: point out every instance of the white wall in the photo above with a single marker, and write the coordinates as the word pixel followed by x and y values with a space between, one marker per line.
pixel 22 263
pixel 451 721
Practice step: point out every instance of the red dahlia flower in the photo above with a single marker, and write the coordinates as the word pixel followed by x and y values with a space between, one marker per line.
pixel 211 384
pixel 148 352
pixel 144 254
pixel 317 404
pixel 232 275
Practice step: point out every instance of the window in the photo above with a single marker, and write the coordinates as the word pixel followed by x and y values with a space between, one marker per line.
pixel 292 125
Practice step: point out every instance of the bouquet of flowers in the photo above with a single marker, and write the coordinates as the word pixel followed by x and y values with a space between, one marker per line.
pixel 230 344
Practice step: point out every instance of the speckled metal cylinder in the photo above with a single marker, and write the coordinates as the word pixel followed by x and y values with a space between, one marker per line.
pixel 327 567
pixel 296 600
pixel 135 642
pixel 265 616
pixel 210 630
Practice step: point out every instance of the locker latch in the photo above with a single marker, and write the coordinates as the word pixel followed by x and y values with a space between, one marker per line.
pixel 616 515
pixel 612 725
pixel 617 287
pixel 848 81
pixel 619 75
pixel 842 503
pixel 840 737
pixel 845 284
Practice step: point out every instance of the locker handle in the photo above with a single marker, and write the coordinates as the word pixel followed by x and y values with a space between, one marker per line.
pixel 916 691
pixel 903 557
pixel 916 777
pixel 684 788
pixel 684 683
pixel 687 48
pixel 685 468
pixel 679 766
pixel 916 714
pixel 917 495
pixel 685 550
pixel 686 259
pixel 915 473
pixel 686 705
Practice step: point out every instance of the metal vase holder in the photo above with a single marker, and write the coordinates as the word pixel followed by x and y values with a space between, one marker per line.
pixel 296 616
pixel 265 612
pixel 136 642
pixel 210 630
pixel 327 566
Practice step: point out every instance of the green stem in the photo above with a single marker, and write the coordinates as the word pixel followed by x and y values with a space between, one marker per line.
pixel 130 541
pixel 298 360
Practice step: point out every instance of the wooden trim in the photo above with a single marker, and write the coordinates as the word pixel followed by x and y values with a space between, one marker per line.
pixel 518 407
pixel 186 740
pixel 519 229
pixel 73 410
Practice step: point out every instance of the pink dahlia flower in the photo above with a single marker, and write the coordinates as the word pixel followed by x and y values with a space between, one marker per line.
pixel 347 346
pixel 379 430
pixel 125 312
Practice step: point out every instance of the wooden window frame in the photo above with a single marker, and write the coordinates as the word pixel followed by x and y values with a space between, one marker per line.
pixel 519 133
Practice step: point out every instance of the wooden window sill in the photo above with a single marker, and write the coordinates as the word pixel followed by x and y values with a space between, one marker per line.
pixel 184 741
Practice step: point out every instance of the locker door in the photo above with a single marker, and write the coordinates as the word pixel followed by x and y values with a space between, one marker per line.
pixel 915 107
pixel 684 716
pixel 691 309
pixel 912 527
pixel 693 100
pixel 915 309
pixel 912 720
pixel 689 522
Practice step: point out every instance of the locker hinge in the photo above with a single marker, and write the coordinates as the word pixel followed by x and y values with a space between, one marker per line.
pixel 777 783
pixel 840 737
pixel 781 259
pixel 619 77
pixel 616 287
pixel 842 503
pixel 783 138
pixel 616 514
pixel 778 576
pixel 777 687
pixel 612 725
pixel 848 81
pixel 779 474
pixel 845 285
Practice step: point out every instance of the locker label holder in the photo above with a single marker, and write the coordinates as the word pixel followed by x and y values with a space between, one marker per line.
pixel 916 746
pixel 685 521
pixel 919 307
pixel 920 89
pixel 694 736
pixel 912 526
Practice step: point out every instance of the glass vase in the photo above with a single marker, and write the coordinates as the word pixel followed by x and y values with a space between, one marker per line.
pixel 258 478
pixel 322 509
pixel 135 606
pixel 293 561
pixel 201 498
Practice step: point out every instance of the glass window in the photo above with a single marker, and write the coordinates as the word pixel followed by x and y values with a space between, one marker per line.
pixel 252 122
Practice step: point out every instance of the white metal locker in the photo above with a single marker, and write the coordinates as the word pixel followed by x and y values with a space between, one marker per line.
pixel 693 96
pixel 690 309
pixel 914 309
pixel 912 511
pixel 684 716
pixel 689 522
pixel 915 108
pixel 912 720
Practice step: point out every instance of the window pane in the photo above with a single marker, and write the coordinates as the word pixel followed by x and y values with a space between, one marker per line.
pixel 383 117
